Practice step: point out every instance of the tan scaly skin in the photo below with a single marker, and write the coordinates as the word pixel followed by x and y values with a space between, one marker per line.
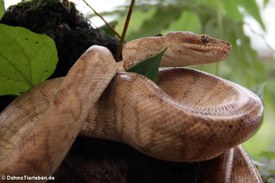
pixel 187 116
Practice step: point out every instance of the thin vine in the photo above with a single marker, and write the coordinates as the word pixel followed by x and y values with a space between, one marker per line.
pixel 122 37
pixel 101 17
pixel 121 42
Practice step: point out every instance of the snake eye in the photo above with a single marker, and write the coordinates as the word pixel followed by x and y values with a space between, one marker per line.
pixel 204 39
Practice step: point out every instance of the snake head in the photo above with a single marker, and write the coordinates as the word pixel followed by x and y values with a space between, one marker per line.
pixel 183 48
pixel 187 48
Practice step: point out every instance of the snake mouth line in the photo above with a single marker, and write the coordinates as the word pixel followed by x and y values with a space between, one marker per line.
pixel 208 48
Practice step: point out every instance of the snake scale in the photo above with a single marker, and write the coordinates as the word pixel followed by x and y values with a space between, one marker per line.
pixel 187 116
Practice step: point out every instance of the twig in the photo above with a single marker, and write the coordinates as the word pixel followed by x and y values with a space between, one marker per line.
pixel 119 49
pixel 106 23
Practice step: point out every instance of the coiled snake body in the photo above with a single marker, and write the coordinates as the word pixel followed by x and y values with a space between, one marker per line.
pixel 187 116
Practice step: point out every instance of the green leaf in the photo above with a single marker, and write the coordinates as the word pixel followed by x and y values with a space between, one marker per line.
pixel 26 59
pixel 2 8
pixel 161 19
pixel 231 9
pixel 188 21
pixel 134 26
pixel 253 9
pixel 268 154
pixel 149 67
pixel 266 2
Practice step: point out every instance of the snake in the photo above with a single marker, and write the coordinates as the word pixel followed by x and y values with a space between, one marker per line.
pixel 186 116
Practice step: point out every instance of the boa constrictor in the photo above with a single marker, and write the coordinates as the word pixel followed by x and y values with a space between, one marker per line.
pixel 187 116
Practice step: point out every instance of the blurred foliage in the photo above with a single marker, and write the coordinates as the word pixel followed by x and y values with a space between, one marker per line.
pixel 221 19
pixel 2 9
pixel 267 169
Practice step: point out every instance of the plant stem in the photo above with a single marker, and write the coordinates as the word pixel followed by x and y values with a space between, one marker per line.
pixel 106 23
pixel 119 49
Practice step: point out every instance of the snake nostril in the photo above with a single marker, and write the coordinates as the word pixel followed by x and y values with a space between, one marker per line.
pixel 228 44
